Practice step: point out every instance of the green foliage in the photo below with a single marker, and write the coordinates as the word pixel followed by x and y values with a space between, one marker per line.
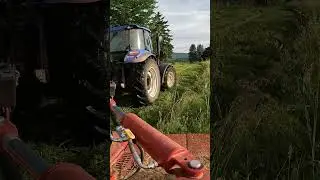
pixel 196 53
pixel 193 53
pixel 131 12
pixel 200 50
pixel 159 27
pixel 206 53
pixel 266 93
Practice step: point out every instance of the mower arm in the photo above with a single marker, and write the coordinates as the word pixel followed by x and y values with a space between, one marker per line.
pixel 171 156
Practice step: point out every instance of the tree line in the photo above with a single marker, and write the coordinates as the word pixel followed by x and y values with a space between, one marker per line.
pixel 198 53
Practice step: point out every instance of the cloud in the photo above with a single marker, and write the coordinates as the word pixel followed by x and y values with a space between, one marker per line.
pixel 189 22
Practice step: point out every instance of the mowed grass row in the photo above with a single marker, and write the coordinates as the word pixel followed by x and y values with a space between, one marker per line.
pixel 180 110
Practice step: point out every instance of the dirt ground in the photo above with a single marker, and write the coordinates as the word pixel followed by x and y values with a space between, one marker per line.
pixel 160 174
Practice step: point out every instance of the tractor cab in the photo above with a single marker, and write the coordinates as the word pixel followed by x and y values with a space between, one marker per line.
pixel 130 38
pixel 130 44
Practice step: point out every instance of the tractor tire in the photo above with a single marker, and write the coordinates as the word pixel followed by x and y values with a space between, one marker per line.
pixel 170 78
pixel 147 83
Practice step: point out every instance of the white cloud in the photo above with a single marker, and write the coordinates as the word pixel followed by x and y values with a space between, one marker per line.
pixel 189 21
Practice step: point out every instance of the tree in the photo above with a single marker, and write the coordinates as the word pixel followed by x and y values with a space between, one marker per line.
pixel 192 53
pixel 200 50
pixel 206 53
pixel 132 12
pixel 159 27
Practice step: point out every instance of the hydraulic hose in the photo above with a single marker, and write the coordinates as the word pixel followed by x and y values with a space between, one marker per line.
pixel 138 159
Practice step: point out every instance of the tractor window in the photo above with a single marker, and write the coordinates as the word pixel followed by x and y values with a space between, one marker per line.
pixel 119 41
pixel 136 39
pixel 148 41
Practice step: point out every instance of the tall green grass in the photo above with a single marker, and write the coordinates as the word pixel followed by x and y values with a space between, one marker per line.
pixel 267 90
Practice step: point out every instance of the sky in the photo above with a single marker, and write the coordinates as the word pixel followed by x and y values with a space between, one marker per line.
pixel 189 22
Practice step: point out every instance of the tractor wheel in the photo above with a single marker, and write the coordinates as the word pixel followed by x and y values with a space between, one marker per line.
pixel 169 78
pixel 147 82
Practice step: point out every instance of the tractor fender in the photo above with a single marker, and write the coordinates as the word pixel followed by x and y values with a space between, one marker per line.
pixel 141 57
pixel 163 68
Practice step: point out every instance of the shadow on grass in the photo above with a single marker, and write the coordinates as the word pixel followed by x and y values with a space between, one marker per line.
pixel 127 100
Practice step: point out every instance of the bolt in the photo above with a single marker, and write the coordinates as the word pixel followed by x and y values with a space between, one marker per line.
pixel 195 164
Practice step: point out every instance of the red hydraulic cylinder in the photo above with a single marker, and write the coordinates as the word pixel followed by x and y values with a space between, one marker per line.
pixel 171 156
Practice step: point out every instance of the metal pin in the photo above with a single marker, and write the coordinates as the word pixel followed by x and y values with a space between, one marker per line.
pixel 195 164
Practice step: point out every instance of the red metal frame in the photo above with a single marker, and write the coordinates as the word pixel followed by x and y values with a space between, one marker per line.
pixel 171 156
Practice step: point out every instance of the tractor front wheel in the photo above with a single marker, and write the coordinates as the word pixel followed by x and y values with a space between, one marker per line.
pixel 148 82
pixel 169 78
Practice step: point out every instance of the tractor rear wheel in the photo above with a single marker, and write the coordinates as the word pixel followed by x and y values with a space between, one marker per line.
pixel 147 82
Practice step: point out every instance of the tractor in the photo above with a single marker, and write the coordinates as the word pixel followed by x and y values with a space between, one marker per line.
pixel 136 67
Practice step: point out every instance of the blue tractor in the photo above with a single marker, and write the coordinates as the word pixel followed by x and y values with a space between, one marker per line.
pixel 136 67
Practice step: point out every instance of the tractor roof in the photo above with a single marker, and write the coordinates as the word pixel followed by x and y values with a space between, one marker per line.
pixel 129 26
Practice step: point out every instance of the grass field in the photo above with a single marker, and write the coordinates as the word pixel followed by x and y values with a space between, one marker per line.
pixel 183 109
pixel 267 89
